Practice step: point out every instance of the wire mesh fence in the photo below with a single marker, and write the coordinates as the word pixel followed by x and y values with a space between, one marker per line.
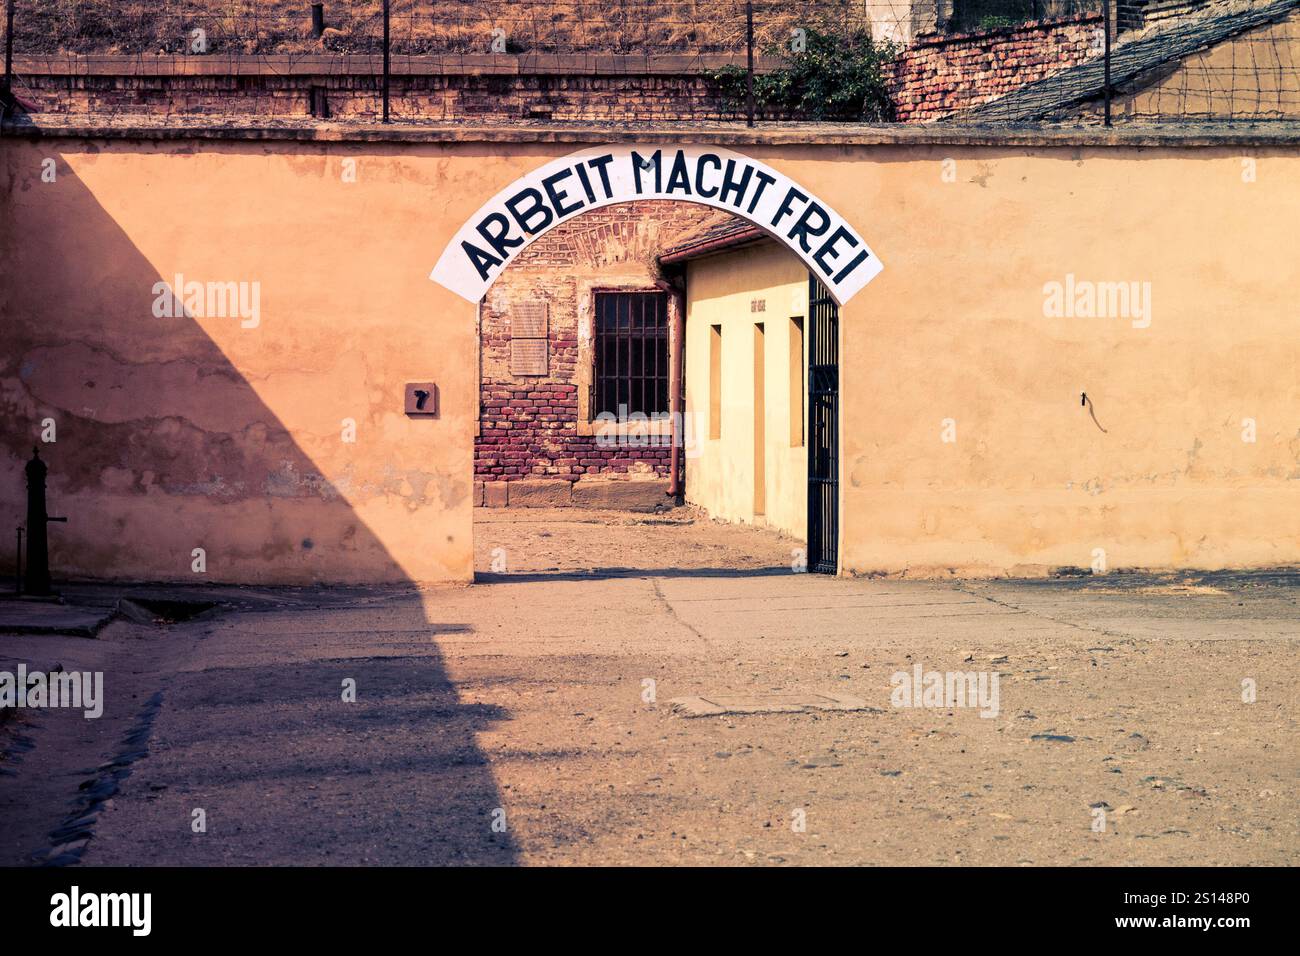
pixel 951 61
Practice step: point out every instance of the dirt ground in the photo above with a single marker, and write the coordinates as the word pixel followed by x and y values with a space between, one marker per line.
pixel 527 720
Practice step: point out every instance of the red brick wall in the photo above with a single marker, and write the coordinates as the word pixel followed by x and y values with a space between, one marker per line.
pixel 499 99
pixel 936 76
pixel 941 74
pixel 528 427
pixel 431 88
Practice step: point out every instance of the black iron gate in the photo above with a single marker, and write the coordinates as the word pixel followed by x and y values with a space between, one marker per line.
pixel 823 428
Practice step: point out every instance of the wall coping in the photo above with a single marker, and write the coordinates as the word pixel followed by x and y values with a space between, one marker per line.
pixel 1182 135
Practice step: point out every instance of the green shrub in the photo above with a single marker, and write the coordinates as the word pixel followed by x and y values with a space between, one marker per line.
pixel 837 75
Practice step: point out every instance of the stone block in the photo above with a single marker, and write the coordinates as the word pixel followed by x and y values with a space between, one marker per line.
pixel 494 494
pixel 621 495
pixel 545 493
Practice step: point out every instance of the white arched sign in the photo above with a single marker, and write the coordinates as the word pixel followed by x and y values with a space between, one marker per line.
pixel 602 176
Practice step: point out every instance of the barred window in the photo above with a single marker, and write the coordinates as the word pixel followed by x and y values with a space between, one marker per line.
pixel 631 353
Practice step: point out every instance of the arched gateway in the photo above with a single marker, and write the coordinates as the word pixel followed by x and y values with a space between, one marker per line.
pixel 617 358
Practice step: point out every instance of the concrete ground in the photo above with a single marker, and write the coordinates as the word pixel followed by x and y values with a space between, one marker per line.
pixel 527 719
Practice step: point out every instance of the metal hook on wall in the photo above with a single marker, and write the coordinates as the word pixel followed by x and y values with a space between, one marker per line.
pixel 1086 401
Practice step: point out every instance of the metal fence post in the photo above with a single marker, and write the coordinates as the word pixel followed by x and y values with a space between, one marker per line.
pixel 9 57
pixel 1106 20
pixel 386 63
pixel 38 549
pixel 749 72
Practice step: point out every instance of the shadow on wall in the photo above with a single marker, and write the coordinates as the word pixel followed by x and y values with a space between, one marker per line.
pixel 162 445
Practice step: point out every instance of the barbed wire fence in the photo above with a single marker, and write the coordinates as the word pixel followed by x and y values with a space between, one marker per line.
pixel 948 61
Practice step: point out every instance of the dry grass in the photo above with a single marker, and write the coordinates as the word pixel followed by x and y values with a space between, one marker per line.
pixel 418 26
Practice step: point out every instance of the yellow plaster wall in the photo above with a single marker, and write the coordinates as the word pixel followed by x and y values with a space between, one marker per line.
pixel 955 328
pixel 181 433
pixel 720 290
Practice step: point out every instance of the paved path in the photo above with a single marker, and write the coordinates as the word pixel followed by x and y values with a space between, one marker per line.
pixel 523 701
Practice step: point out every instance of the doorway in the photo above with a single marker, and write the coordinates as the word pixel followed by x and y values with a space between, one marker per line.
pixel 760 421
pixel 823 428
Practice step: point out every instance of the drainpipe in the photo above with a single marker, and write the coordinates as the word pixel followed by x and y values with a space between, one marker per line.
pixel 478 369
pixel 6 100
pixel 676 345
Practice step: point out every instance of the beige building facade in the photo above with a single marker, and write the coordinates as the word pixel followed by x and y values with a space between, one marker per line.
pixel 223 328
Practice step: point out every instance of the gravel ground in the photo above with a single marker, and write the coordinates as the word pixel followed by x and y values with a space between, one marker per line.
pixel 522 702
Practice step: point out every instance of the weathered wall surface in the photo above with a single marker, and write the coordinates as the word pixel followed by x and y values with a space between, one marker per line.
pixel 184 432
pixel 176 432
pixel 955 328
pixel 728 291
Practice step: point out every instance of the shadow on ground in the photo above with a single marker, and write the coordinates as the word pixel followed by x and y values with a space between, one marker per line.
pixel 194 455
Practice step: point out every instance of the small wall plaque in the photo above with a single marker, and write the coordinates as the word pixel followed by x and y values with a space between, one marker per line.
pixel 529 347
pixel 528 320
pixel 528 357
pixel 422 399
